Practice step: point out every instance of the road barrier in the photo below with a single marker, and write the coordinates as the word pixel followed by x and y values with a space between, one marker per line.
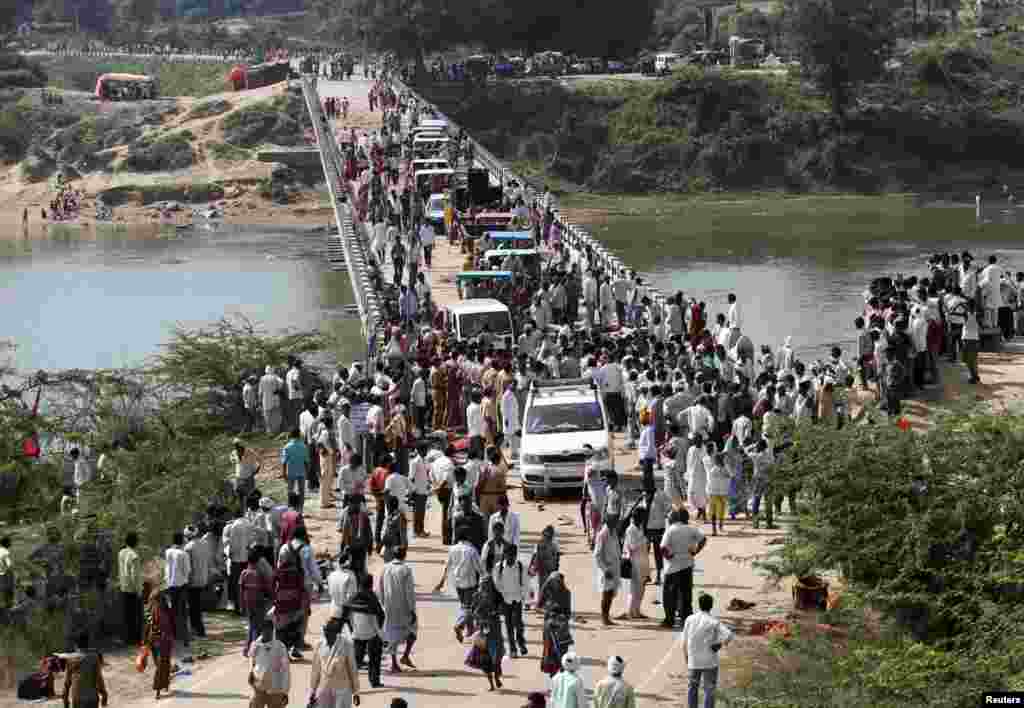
pixel 105 56
pixel 573 234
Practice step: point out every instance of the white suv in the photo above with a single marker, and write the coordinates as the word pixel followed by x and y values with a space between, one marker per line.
pixel 562 417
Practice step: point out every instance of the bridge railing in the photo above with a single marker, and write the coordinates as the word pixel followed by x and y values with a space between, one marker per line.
pixel 367 300
pixel 574 235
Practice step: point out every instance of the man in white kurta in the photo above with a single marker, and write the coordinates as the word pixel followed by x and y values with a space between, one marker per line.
pixel 510 418
pixel 269 387
pixel 991 296
pixel 398 596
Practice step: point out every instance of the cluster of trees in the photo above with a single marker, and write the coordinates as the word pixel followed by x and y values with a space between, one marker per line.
pixel 415 28
pixel 926 531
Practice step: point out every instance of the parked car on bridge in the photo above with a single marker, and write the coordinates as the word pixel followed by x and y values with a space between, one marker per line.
pixel 547 64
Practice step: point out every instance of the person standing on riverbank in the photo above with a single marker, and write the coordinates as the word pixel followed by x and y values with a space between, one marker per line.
pixel 679 546
pixel 270 387
pixel 294 464
pixel 296 395
pixel 971 338
pixel 703 637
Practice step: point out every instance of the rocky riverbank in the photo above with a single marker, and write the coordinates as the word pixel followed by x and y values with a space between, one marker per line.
pixel 940 122
pixel 135 153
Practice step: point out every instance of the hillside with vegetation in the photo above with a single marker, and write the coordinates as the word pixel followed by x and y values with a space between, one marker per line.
pixel 938 120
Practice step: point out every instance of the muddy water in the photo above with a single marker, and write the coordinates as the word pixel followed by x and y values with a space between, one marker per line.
pixel 109 296
pixel 798 266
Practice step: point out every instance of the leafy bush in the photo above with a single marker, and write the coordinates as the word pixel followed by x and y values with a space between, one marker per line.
pixel 173 78
pixel 924 528
pixel 278 121
pixel 226 152
pixel 171 151
pixel 212 107
pixel 15 133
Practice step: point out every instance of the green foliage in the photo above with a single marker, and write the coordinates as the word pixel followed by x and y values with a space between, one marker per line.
pixel 842 43
pixel 173 78
pixel 207 367
pixel 636 124
pixel 920 549
pixel 212 107
pixel 925 528
pixel 227 153
pixel 15 131
pixel 278 121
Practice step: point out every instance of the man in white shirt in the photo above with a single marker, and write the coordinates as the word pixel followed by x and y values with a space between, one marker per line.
pixel 397 485
pixel 346 432
pixel 269 669
pixel 679 546
pixel 293 380
pixel 269 387
pixel 177 571
pixel 427 241
pixel 590 292
pixel 442 470
pixel 462 569
pixel 620 290
pixel 703 637
pixel 419 471
pixel 742 428
pixel 475 423
pixel 236 538
pixel 510 580
pixel 251 401
pixel 511 419
pixel 698 419
pixel 510 519
pixel 375 429
pixel 733 318
pixel 612 385
pixel 342 586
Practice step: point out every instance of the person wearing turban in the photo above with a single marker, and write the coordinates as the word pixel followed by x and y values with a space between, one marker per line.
pixel 613 691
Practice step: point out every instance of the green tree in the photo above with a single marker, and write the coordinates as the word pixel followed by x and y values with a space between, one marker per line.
pixel 412 28
pixel 841 43
pixel 607 29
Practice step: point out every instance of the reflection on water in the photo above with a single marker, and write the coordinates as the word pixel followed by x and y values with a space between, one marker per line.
pixel 108 296
pixel 799 266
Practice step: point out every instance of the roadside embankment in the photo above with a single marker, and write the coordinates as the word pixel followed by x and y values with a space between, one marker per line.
pixel 938 124
pixel 136 153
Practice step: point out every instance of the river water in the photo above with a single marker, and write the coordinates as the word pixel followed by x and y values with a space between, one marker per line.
pixel 799 267
pixel 109 296
pixel 82 298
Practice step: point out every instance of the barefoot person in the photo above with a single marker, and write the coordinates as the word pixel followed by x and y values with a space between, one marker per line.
pixel 398 595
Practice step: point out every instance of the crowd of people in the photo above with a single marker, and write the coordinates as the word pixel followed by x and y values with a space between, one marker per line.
pixel 66 204
pixel 438 418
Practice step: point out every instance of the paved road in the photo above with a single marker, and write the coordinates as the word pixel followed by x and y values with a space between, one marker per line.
pixel 653 656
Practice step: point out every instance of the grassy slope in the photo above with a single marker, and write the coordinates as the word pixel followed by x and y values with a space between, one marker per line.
pixel 174 79
pixel 940 124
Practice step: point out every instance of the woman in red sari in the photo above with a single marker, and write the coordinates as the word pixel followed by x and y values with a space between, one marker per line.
pixel 160 639
pixel 456 413
pixel 290 600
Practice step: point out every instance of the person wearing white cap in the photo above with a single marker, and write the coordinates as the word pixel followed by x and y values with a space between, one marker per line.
pixel 567 688
pixel 613 691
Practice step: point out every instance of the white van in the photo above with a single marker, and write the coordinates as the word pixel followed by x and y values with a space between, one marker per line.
pixel 665 62
pixel 434 181
pixel 424 147
pixel 466 319
pixel 434 125
pixel 429 163
pixel 562 416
